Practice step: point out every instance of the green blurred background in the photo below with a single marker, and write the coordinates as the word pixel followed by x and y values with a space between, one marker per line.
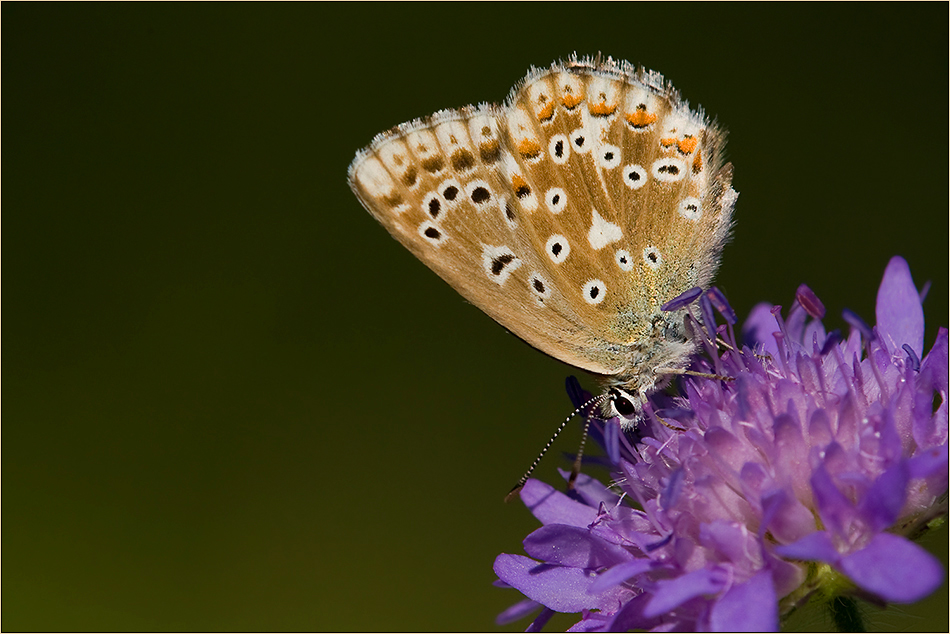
pixel 234 402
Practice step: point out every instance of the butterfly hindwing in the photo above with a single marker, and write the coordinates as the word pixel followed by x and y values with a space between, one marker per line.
pixel 569 214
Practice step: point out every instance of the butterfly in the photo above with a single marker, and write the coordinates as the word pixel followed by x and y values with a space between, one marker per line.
pixel 571 214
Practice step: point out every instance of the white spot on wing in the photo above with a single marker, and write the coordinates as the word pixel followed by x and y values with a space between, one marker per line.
pixel 499 262
pixel 504 205
pixel 594 291
pixel 540 287
pixel 608 156
pixel 423 144
pixel 522 133
pixel 449 195
pixel 561 143
pixel 652 256
pixel 602 232
pixel 541 98
pixel 581 141
pixel 623 259
pixel 452 135
pixel 634 176
pixel 558 248
pixel 480 193
pixel 431 233
pixel 483 128
pixel 395 156
pixel 374 178
pixel 556 200
pixel 691 208
pixel 669 170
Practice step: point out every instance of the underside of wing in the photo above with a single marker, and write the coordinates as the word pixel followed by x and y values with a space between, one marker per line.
pixel 569 214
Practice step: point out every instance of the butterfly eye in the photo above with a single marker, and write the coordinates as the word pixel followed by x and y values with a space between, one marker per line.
pixel 622 404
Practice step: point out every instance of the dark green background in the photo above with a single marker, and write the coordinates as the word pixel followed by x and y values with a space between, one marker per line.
pixel 232 401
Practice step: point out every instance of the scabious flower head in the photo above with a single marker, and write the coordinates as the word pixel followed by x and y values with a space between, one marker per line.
pixel 802 477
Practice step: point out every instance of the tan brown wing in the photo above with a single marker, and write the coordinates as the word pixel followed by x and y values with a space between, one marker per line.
pixel 567 214
pixel 642 195
pixel 438 187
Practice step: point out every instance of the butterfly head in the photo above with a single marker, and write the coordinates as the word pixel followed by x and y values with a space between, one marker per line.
pixel 623 404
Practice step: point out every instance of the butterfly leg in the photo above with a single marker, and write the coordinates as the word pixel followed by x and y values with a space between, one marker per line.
pixel 705 375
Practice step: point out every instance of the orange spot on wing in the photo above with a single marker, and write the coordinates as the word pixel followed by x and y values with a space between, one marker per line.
pixel 687 144
pixel 570 101
pixel 602 109
pixel 489 152
pixel 546 112
pixel 529 148
pixel 520 186
pixel 668 142
pixel 698 162
pixel 640 118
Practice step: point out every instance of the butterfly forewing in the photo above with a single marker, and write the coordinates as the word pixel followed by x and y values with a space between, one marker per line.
pixel 569 214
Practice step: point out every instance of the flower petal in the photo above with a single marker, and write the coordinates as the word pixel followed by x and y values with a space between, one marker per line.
pixel 731 541
pixel 758 328
pixel 810 302
pixel 721 304
pixel 631 616
pixel 620 573
pixel 671 492
pixel 882 503
pixel 849 436
pixel 937 360
pixel 516 612
pixel 894 569
pixel 560 588
pixel 814 547
pixel 573 546
pixel 682 300
pixel 929 428
pixel 747 607
pixel 553 507
pixel 785 517
pixel 929 463
pixel 592 490
pixel 612 439
pixel 671 593
pixel 592 622
pixel 900 317
pixel 540 621
pixel 833 506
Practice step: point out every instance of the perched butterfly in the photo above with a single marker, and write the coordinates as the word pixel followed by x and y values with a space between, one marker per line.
pixel 571 214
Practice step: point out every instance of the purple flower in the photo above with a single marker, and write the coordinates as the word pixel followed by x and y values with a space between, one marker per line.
pixel 804 477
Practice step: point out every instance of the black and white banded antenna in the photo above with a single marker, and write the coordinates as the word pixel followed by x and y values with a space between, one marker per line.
pixel 575 470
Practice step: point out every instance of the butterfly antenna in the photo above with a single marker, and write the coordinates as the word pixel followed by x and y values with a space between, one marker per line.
pixel 595 400
pixel 576 469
